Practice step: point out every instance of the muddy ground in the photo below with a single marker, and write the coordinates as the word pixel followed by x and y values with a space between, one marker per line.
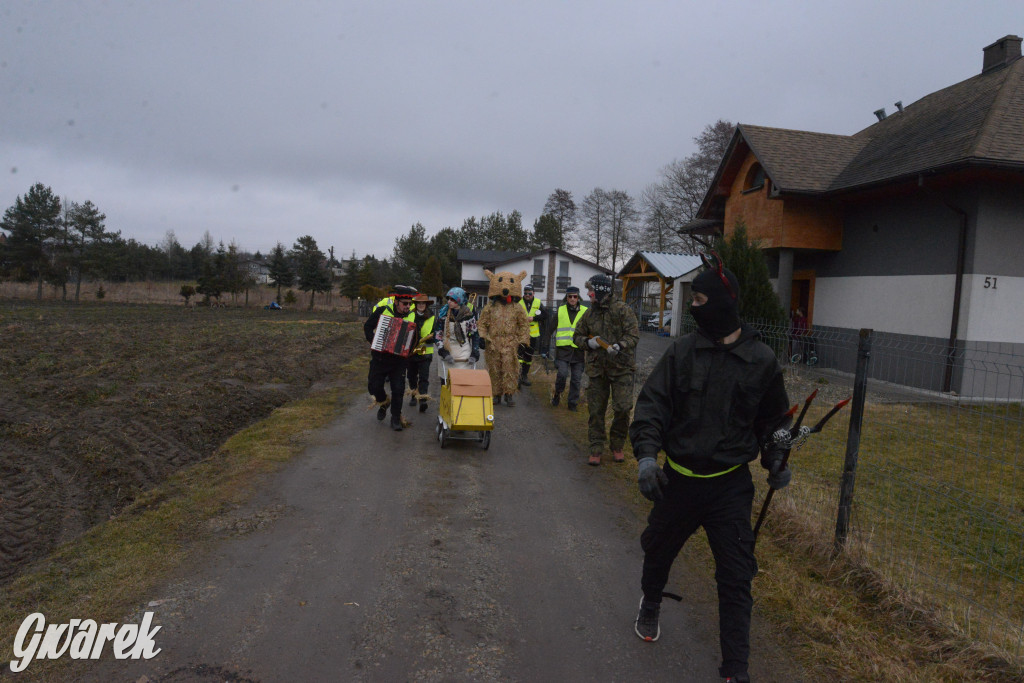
pixel 99 402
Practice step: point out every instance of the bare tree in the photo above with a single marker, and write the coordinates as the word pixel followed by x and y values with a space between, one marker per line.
pixel 621 235
pixel 592 228
pixel 674 200
pixel 657 230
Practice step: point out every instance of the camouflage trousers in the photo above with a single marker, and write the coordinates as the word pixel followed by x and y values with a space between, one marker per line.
pixel 620 390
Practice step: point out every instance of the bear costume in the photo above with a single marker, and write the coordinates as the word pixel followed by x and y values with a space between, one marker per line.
pixel 504 325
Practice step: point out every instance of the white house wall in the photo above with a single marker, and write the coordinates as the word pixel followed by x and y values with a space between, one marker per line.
pixel 994 310
pixel 905 304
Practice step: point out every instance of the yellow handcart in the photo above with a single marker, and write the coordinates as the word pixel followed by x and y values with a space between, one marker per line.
pixel 466 410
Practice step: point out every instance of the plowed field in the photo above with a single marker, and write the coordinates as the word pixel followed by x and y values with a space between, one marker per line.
pixel 99 402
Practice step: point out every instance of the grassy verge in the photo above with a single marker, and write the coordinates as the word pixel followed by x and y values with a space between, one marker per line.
pixel 837 617
pixel 107 572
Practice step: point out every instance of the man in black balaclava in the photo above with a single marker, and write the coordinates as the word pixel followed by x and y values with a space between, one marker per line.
pixel 711 403
pixel 716 304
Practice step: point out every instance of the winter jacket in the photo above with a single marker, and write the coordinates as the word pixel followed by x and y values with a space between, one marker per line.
pixel 711 406
pixel 615 323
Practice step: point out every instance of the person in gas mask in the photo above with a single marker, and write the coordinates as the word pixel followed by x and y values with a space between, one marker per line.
pixel 711 403
pixel 609 333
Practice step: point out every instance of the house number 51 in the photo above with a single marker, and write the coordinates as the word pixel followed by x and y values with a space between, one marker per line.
pixel 990 282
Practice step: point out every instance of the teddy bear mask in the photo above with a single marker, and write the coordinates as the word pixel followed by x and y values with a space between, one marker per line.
pixel 506 287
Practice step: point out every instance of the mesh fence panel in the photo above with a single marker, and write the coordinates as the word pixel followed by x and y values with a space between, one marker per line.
pixel 938 505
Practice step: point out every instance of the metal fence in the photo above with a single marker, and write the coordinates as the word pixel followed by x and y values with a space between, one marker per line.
pixel 937 509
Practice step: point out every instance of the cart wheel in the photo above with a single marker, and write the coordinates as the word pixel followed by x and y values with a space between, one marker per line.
pixel 485 440
pixel 443 437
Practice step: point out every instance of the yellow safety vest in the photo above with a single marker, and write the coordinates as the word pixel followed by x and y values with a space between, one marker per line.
pixel 534 307
pixel 565 329
pixel 427 330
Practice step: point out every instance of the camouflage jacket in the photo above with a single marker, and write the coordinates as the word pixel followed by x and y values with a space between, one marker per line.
pixel 615 323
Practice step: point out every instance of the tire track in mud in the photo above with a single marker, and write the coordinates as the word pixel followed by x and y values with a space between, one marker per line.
pixel 90 419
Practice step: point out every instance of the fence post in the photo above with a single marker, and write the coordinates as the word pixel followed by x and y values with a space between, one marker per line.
pixel 860 388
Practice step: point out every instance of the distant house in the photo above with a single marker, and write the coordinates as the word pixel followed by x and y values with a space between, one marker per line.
pixel 549 270
pixel 912 226
pixel 258 270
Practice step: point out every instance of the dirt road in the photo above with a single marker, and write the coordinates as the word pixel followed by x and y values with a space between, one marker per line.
pixel 378 556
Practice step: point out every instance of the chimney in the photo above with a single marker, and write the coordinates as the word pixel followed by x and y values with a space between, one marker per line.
pixel 1001 52
pixel 880 113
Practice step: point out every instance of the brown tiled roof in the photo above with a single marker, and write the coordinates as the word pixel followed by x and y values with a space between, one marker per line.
pixel 798 160
pixel 979 120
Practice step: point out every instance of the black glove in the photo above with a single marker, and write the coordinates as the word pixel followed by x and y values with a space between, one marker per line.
pixel 651 478
pixel 483 344
pixel 443 353
pixel 779 475
pixel 475 356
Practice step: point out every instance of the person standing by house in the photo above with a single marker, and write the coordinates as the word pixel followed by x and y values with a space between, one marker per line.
pixel 609 334
pixel 423 353
pixel 711 403
pixel 568 357
pixel 535 311
pixel 798 335
pixel 388 367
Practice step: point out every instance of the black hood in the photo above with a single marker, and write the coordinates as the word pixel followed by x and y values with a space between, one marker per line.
pixel 719 316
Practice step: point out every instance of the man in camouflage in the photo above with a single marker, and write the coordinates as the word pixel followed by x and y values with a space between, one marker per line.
pixel 609 333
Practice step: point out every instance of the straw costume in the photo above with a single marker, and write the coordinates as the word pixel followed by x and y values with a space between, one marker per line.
pixel 504 325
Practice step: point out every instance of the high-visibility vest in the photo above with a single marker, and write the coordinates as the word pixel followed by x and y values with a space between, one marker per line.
pixel 389 307
pixel 565 329
pixel 427 330
pixel 530 312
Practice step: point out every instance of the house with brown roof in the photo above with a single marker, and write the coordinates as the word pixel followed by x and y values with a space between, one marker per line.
pixel 911 226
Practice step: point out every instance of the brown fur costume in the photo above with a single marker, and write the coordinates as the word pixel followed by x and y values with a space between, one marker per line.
pixel 505 325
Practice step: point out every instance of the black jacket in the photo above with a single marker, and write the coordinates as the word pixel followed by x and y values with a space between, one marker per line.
pixel 710 406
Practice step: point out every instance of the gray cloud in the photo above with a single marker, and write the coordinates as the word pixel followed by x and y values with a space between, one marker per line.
pixel 351 121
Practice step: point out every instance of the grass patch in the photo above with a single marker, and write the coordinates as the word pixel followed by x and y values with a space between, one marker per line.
pixel 104 574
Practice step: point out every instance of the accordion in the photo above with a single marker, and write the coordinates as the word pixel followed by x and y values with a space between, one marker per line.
pixel 394 336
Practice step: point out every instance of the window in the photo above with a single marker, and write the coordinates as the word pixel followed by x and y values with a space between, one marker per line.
pixel 538 266
pixel 755 178
pixel 563 269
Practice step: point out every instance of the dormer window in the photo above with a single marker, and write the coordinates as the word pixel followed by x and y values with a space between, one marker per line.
pixel 755 178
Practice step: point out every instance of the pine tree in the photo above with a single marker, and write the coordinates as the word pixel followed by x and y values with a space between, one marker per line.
pixel 758 300
pixel 281 272
pixel 311 267
pixel 33 224
pixel 431 281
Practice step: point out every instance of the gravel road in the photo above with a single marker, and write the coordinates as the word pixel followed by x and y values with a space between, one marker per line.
pixel 378 556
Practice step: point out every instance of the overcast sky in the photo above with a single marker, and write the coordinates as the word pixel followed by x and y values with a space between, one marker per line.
pixel 351 121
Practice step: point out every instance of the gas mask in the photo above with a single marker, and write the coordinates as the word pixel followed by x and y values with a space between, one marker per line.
pixel 602 288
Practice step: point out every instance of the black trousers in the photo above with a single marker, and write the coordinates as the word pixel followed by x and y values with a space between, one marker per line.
pixel 419 372
pixel 722 506
pixel 387 368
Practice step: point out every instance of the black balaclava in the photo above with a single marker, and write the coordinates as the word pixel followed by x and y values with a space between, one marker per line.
pixel 602 286
pixel 719 316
